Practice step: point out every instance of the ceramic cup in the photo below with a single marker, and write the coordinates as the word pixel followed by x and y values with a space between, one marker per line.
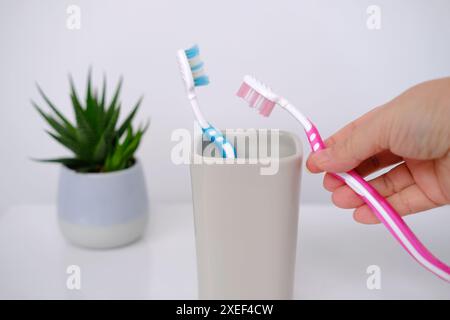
pixel 246 216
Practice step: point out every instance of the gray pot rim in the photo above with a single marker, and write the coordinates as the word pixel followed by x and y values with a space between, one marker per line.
pixel 100 175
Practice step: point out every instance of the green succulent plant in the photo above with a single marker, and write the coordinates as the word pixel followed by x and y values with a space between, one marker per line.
pixel 97 141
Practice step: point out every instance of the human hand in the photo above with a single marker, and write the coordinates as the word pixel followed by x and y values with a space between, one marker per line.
pixel 412 131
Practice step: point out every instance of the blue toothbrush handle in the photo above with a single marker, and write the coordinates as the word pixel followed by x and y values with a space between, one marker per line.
pixel 224 146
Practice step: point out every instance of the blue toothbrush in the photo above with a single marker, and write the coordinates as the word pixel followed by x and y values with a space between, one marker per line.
pixel 193 75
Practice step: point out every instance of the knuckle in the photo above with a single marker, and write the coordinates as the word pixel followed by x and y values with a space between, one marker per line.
pixel 388 184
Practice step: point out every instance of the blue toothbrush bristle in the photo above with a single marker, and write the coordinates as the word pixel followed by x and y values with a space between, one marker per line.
pixel 196 64
pixel 192 52
pixel 201 81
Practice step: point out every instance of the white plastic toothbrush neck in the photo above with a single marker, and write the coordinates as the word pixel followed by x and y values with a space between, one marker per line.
pixel 297 114
pixel 191 94
pixel 197 113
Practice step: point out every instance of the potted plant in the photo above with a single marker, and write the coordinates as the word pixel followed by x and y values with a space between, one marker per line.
pixel 102 198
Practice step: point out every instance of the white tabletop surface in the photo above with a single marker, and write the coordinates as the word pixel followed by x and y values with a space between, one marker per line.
pixel 333 254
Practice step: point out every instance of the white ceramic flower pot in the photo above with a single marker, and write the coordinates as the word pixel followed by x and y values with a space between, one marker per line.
pixel 246 222
pixel 102 210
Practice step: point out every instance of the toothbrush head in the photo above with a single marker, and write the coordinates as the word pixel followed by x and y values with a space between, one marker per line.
pixel 258 95
pixel 191 68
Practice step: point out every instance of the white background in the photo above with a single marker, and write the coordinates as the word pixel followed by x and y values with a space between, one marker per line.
pixel 319 54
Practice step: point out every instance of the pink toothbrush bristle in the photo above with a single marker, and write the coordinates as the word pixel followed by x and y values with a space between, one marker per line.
pixel 254 99
pixel 266 107
pixel 243 90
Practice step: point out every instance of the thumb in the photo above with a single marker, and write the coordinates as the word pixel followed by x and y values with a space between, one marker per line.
pixel 363 141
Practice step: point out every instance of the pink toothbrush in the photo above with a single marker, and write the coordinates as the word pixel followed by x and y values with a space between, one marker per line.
pixel 260 96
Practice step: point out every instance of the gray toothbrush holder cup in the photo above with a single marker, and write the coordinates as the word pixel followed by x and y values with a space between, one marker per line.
pixel 246 215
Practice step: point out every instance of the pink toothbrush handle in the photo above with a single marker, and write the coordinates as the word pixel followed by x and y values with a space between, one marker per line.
pixel 386 214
